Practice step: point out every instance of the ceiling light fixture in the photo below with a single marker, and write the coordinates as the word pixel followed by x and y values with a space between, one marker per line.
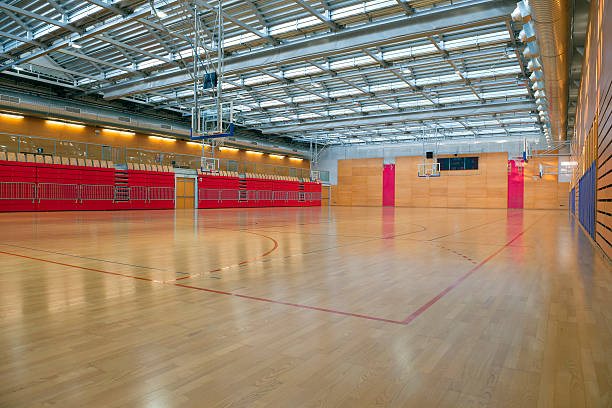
pixel 58 123
pixel 11 116
pixel 119 132
pixel 167 139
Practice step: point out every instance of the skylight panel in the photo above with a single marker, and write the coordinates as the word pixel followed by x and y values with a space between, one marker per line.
pixel 305 71
pixel 505 93
pixel 338 112
pixel 258 79
pixel 372 108
pixel 149 63
pixel 344 92
pixel 460 98
pixel 478 39
pixel 279 119
pixel 268 104
pixel 306 98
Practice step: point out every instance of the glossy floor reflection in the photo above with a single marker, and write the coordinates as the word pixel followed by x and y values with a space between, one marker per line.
pixel 303 307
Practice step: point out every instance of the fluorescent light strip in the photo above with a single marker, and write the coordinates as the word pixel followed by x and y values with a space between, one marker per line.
pixel 119 132
pixel 254 152
pixel 57 122
pixel 296 159
pixel 276 156
pixel 229 149
pixel 167 139
pixel 11 116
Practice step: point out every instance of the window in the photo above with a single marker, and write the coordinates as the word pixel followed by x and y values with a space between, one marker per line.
pixel 471 163
pixel 458 163
pixel 444 164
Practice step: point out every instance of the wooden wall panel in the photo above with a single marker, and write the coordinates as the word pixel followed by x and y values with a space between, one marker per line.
pixel 29 126
pixel 544 193
pixel 359 183
pixel 593 135
pixel 483 188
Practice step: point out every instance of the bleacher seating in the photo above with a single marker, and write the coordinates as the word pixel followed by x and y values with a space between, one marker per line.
pixel 36 182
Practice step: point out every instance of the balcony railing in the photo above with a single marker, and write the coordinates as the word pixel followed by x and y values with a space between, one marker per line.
pixel 123 155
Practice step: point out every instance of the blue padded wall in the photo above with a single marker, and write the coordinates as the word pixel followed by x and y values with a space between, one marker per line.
pixel 586 200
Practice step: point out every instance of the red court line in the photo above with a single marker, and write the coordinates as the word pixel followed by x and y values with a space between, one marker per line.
pixel 409 319
pixel 220 292
pixel 81 267
pixel 238 264
pixel 440 295
pixel 278 302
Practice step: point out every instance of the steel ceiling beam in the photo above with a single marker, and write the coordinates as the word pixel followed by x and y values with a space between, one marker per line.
pixel 87 34
pixel 441 19
pixel 332 25
pixel 397 117
pixel 239 23
pixel 40 17
pixel 109 7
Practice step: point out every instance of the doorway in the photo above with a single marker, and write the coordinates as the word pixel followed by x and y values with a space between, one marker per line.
pixel 185 192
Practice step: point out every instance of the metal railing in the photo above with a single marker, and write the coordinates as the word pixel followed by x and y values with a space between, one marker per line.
pixel 207 194
pixel 161 193
pixel 91 192
pixel 17 191
pixel 55 191
pixel 122 155
pixel 82 192
pixel 138 193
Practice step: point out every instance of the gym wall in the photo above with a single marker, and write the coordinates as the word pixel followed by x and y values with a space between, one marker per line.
pixel 360 183
pixel 592 182
pixel 29 126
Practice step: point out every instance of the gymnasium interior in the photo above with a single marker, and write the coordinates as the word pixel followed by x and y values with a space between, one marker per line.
pixel 306 203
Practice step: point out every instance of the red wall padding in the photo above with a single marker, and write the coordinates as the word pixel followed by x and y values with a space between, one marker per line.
pixel 516 184
pixel 53 187
pixel 223 192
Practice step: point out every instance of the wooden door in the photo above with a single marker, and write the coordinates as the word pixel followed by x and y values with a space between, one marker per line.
pixel 185 193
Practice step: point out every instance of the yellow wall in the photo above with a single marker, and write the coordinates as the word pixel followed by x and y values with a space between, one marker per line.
pixel 42 128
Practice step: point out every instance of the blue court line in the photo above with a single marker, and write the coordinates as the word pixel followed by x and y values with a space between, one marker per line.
pixel 93 259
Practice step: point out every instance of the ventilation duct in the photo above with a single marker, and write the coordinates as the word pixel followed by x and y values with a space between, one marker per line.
pixel 552 24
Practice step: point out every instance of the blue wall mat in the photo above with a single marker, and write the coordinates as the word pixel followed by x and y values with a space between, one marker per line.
pixel 586 200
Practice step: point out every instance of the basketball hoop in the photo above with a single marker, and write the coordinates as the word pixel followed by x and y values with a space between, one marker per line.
pixel 315 175
pixel 210 165
pixel 212 121
pixel 427 170
pixel 518 163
